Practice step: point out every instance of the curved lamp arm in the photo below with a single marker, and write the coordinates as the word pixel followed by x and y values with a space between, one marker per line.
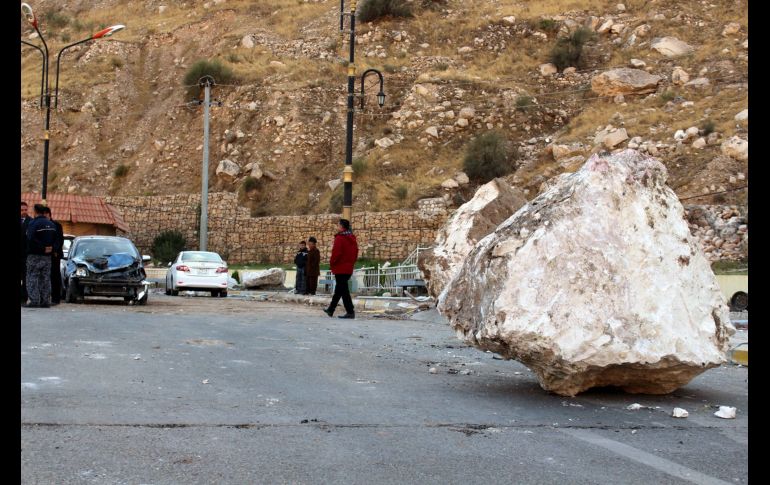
pixel 32 19
pixel 380 95
pixel 42 76
pixel 102 33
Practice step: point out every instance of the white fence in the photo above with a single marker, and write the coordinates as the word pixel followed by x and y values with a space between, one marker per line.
pixel 377 280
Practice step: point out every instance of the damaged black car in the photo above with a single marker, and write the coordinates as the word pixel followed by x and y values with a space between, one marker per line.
pixel 105 266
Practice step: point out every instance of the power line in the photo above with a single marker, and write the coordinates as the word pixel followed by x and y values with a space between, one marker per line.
pixel 735 189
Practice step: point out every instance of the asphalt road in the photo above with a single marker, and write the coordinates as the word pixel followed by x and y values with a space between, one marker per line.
pixel 227 391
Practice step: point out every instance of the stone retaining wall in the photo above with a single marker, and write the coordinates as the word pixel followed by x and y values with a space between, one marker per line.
pixel 240 238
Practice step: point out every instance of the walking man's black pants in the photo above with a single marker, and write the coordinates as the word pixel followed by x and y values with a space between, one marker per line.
pixel 341 291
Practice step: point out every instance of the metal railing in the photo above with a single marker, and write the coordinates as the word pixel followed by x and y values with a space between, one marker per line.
pixel 377 280
pixel 414 256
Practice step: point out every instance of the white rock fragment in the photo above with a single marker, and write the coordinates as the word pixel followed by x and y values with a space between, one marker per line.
pixel 610 232
pixel 624 80
pixel 269 278
pixel 671 47
pixel 743 115
pixel 736 148
pixel 384 142
pixel 680 413
pixel 450 184
pixel 433 370
pixel 547 69
pixel 634 406
pixel 725 412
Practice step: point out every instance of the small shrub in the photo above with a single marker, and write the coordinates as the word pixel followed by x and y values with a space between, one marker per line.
pixel 667 96
pixel 390 68
pixel 249 184
pixel 370 10
pixel 548 25
pixel 489 156
pixel 359 166
pixel 55 20
pixel 167 245
pixel 236 276
pixel 524 102
pixel 401 192
pixel 65 37
pixel 233 57
pixel 442 66
pixel 116 62
pixel 121 170
pixel 220 72
pixel 708 127
pixel 568 50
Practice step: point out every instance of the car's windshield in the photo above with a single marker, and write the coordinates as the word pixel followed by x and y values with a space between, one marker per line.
pixel 91 249
pixel 200 257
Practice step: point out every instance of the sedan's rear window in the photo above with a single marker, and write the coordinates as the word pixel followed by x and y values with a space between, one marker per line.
pixel 90 249
pixel 201 257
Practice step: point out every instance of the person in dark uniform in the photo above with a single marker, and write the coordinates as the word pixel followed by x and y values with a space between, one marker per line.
pixel 344 256
pixel 41 235
pixel 300 260
pixel 313 266
pixel 25 220
pixel 56 255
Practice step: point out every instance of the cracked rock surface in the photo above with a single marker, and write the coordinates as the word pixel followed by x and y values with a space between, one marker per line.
pixel 596 282
pixel 493 203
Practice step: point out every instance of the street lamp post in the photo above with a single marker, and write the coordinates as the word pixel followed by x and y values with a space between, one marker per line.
pixel 347 173
pixel 46 93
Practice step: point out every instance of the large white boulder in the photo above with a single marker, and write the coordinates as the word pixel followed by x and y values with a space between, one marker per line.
pixel 595 282
pixel 493 203
pixel 269 278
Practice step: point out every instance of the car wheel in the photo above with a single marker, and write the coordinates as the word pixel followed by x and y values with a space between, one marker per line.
pixel 223 294
pixel 174 291
pixel 72 295
pixel 740 301
pixel 214 293
pixel 168 290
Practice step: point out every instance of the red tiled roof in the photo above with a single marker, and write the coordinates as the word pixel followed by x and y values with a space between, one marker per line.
pixel 79 208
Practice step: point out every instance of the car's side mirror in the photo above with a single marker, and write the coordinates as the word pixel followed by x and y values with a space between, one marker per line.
pixel 146 259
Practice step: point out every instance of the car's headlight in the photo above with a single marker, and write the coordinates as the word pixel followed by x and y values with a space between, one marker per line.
pixel 81 271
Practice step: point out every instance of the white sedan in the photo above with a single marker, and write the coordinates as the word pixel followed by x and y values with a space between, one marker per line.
pixel 197 271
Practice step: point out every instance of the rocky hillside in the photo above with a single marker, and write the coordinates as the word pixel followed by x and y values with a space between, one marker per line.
pixel 668 78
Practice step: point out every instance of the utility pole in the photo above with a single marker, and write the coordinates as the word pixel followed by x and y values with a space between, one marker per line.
pixel 347 173
pixel 205 82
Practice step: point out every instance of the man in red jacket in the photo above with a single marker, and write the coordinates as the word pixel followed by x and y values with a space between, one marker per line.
pixel 344 256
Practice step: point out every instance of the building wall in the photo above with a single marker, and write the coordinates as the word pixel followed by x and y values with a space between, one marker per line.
pixel 87 229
